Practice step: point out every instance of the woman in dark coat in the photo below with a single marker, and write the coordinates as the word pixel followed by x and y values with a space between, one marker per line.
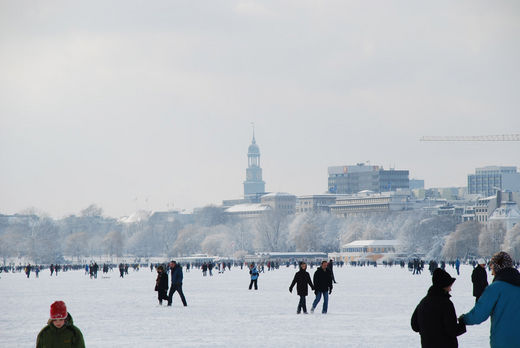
pixel 479 279
pixel 435 318
pixel 302 279
pixel 161 284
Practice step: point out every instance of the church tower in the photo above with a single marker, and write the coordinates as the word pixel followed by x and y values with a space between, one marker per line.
pixel 254 185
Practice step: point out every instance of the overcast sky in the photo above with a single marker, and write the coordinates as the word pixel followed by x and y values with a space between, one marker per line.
pixel 148 104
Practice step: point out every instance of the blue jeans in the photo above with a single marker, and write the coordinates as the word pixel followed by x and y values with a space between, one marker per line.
pixel 325 300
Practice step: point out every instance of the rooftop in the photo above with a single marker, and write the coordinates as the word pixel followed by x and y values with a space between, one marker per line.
pixel 293 253
pixel 277 194
pixel 373 242
pixel 508 210
pixel 247 207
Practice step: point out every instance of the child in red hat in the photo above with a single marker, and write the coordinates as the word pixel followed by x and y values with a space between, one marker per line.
pixel 60 330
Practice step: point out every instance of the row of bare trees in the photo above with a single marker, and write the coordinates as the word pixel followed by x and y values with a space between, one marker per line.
pixel 210 231
pixel 472 239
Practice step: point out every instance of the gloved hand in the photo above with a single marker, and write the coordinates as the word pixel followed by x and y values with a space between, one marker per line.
pixel 290 290
pixel 330 291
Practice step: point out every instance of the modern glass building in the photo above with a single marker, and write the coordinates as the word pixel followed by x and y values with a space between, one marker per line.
pixel 360 177
pixel 487 180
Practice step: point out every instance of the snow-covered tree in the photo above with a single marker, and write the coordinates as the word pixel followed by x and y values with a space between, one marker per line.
pixel 188 241
pixel 463 243
pixel 42 241
pixel 304 233
pixel 9 245
pixel 272 231
pixel 210 216
pixel 243 234
pixel 426 235
pixel 92 211
pixel 512 242
pixel 114 243
pixel 75 245
pixel 491 239
pixel 315 232
pixel 218 242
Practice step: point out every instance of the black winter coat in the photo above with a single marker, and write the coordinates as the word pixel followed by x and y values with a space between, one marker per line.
pixel 162 281
pixel 322 280
pixel 479 280
pixel 301 279
pixel 329 268
pixel 436 321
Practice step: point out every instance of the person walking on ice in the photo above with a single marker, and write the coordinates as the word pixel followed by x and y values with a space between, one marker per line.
pixel 501 301
pixel 330 266
pixel 254 276
pixel 301 280
pixel 479 279
pixel 161 284
pixel 176 274
pixel 322 280
pixel 60 330
pixel 434 317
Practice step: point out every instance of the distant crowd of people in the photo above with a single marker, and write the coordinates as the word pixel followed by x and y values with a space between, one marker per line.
pixel 90 269
pixel 36 269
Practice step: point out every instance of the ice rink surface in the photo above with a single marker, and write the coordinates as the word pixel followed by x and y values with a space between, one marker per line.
pixel 369 307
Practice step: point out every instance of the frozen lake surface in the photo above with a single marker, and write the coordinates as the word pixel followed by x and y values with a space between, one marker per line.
pixel 369 307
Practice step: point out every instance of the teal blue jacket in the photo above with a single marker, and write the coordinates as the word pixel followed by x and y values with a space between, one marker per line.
pixel 254 273
pixel 501 301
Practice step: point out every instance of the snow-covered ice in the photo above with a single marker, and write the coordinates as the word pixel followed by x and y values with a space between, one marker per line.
pixel 369 307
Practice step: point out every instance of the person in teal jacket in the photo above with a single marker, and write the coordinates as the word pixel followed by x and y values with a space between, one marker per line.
pixel 501 301
pixel 254 276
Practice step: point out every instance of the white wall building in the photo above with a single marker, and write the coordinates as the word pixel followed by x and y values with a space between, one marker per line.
pixel 367 250
pixel 508 214
pixel 248 210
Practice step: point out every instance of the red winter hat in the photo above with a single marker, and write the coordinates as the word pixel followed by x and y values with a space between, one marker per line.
pixel 58 310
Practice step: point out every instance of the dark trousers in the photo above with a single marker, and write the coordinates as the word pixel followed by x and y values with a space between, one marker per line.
pixel 253 281
pixel 161 295
pixel 178 288
pixel 302 305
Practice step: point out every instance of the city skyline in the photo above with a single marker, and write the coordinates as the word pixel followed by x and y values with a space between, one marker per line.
pixel 148 106
pixel 143 204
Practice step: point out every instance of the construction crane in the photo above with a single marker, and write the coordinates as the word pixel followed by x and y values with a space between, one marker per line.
pixel 499 137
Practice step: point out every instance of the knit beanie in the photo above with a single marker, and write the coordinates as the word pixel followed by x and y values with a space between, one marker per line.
pixel 442 278
pixel 501 260
pixel 58 310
